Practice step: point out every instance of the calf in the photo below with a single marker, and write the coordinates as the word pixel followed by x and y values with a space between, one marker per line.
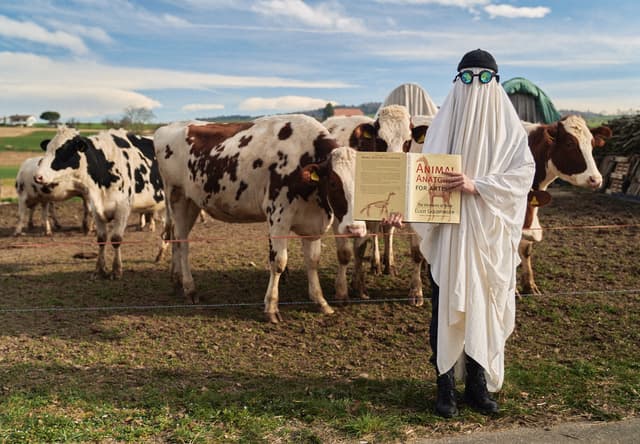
pixel 30 194
pixel 561 150
pixel 118 173
pixel 286 170
pixel 393 131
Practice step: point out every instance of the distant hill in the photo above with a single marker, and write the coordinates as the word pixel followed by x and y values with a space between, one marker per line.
pixel 369 109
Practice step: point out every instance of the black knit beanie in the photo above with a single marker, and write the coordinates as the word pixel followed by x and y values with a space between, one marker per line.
pixel 478 58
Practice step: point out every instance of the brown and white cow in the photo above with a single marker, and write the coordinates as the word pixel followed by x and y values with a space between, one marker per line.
pixel 561 150
pixel 117 172
pixel 286 170
pixel 393 131
pixel 30 194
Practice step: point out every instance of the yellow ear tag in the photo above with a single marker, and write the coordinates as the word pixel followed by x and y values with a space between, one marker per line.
pixel 314 176
pixel 367 135
pixel 534 202
pixel 421 139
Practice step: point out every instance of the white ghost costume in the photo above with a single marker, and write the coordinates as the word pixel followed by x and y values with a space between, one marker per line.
pixel 412 96
pixel 474 263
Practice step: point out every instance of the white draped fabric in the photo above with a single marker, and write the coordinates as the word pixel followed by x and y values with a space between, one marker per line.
pixel 413 97
pixel 474 262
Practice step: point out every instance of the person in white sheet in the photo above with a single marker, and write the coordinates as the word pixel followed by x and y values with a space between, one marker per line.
pixel 473 264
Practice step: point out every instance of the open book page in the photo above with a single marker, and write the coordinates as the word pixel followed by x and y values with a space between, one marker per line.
pixel 381 185
pixel 427 201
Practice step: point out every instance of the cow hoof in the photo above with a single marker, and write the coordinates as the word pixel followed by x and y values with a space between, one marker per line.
pixel 273 318
pixel 417 300
pixel 18 234
pixel 326 309
pixel 341 299
pixel 116 276
pixel 391 271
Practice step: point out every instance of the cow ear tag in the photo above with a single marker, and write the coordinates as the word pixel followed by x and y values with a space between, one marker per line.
pixel 538 198
pixel 421 139
pixel 366 134
pixel 314 176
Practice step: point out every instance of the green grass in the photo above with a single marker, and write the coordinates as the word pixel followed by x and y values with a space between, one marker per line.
pixel 28 142
pixel 8 172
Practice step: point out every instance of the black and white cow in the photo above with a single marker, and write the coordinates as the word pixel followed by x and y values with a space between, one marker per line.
pixel 30 194
pixel 394 131
pixel 286 170
pixel 117 172
pixel 562 150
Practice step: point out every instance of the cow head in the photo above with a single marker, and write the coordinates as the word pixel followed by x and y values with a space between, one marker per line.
pixel 564 150
pixel 335 178
pixel 61 156
pixel 419 127
pixel 391 132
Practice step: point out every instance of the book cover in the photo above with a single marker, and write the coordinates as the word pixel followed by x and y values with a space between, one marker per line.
pixel 407 183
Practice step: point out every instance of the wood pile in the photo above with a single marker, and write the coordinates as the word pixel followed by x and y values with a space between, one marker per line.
pixel 621 174
pixel 619 160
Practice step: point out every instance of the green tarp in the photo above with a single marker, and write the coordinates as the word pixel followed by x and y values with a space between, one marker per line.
pixel 531 103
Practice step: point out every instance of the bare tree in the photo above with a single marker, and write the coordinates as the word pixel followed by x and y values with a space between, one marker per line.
pixel 134 118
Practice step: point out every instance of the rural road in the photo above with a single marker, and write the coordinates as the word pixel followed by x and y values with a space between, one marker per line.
pixel 621 432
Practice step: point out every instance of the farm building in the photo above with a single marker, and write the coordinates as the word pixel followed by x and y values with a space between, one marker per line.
pixel 531 103
pixel 347 112
pixel 19 120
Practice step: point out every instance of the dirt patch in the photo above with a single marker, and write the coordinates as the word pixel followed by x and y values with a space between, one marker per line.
pixel 15 158
pixel 359 373
pixel 15 131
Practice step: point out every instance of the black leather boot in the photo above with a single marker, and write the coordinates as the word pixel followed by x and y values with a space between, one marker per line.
pixel 446 397
pixel 475 390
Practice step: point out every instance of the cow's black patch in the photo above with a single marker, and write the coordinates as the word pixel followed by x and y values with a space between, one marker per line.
pixel 285 132
pixel 243 186
pixel 67 156
pixel 244 141
pixel 139 176
pixel 257 163
pixel 98 167
pixel 167 152
pixel 144 144
pixel 120 142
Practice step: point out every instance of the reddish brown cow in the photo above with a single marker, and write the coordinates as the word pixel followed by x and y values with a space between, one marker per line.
pixel 561 150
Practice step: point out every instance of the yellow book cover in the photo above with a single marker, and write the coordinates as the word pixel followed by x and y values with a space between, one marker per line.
pixel 407 183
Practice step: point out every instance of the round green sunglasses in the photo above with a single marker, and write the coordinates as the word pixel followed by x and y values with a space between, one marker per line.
pixel 484 76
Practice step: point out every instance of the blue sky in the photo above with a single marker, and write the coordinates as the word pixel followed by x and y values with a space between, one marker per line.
pixel 90 59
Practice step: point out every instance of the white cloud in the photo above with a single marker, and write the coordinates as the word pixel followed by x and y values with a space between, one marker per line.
pixel 284 103
pixel 33 32
pixel 509 11
pixel 324 15
pixel 466 4
pixel 86 89
pixel 81 102
pixel 202 106
pixel 89 32
pixel 21 68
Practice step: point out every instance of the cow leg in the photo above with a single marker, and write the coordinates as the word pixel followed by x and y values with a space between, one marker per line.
pixel 23 216
pixel 312 249
pixel 185 213
pixel 30 225
pixel 525 249
pixel 415 290
pixel 278 263
pixel 45 219
pixel 87 218
pixel 117 232
pixel 142 221
pixel 358 282
pixel 101 235
pixel 344 251
pixel 54 217
pixel 376 263
pixel 389 259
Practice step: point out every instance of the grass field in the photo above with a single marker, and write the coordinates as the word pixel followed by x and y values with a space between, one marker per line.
pixel 77 365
